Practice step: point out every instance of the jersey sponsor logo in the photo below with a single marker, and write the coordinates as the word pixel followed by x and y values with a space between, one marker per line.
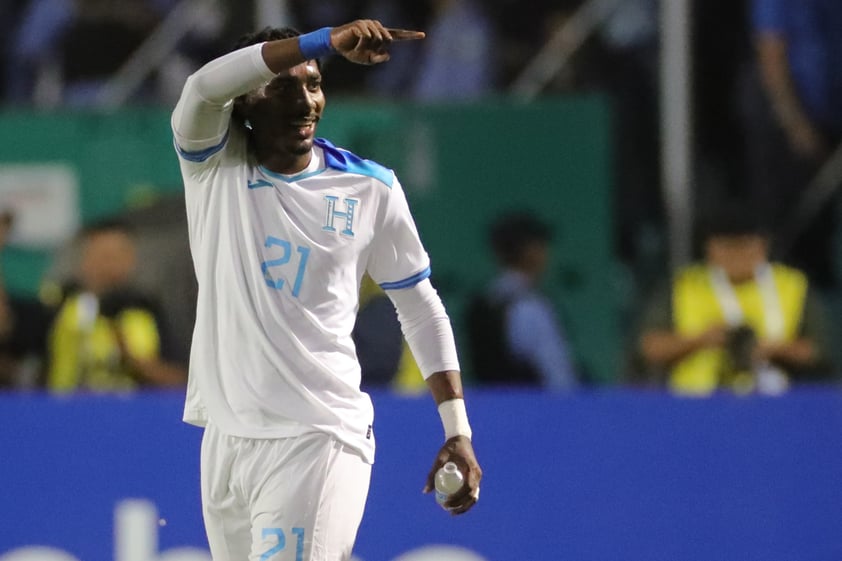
pixel 346 216
pixel 258 184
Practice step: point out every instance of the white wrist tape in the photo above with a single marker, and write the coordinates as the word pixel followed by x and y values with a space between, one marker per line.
pixel 454 418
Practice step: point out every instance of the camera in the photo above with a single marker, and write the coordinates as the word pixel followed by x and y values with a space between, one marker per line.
pixel 740 343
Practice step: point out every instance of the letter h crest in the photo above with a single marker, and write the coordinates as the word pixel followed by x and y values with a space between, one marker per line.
pixel 347 215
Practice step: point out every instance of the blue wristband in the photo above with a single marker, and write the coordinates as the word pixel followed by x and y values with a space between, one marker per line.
pixel 315 44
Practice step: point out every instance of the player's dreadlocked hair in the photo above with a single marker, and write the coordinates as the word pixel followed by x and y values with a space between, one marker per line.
pixel 265 34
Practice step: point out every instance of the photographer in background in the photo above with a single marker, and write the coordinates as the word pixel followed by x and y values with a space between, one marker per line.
pixel 107 336
pixel 736 320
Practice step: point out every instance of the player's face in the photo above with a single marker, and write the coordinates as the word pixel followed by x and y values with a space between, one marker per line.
pixel 284 113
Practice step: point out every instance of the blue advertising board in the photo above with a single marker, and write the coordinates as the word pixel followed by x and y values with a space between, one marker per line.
pixel 599 476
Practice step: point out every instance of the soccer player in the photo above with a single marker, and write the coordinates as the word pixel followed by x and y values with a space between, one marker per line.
pixel 283 225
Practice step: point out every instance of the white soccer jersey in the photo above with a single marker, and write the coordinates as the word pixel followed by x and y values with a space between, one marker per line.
pixel 279 261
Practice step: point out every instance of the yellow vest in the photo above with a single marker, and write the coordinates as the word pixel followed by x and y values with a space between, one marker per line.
pixel 86 354
pixel 409 379
pixel 695 309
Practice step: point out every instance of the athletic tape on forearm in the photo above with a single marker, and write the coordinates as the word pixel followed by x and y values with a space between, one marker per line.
pixel 315 44
pixel 454 418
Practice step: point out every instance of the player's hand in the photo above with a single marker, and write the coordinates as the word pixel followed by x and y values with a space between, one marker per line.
pixel 460 451
pixel 366 41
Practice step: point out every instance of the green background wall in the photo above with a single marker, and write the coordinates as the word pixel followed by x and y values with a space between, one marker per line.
pixel 460 166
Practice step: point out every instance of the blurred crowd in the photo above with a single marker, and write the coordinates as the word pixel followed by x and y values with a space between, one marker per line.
pixel 67 52
pixel 753 312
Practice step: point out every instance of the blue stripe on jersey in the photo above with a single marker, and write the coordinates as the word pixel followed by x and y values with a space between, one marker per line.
pixel 201 155
pixel 342 160
pixel 290 178
pixel 408 282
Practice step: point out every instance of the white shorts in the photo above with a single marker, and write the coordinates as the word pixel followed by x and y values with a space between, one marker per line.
pixel 284 499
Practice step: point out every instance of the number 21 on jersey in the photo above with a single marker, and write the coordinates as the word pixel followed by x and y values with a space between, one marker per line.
pixel 303 253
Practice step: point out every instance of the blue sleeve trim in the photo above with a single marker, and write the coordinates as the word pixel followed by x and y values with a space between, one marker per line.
pixel 343 160
pixel 201 155
pixel 407 282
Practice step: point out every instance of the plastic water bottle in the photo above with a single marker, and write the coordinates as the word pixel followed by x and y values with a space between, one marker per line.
pixel 448 481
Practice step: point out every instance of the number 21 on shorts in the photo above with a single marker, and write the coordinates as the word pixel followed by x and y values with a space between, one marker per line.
pixel 282 543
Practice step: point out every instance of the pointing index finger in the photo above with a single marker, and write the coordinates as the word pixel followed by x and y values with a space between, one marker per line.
pixel 406 35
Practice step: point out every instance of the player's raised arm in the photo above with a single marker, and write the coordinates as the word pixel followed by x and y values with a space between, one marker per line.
pixel 203 111
pixel 200 119
pixel 362 41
